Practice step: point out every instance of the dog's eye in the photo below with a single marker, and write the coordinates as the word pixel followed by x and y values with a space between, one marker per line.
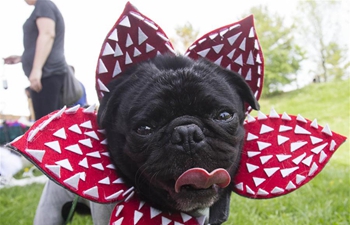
pixel 144 130
pixel 224 116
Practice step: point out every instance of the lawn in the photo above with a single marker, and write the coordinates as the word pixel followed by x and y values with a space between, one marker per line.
pixel 324 200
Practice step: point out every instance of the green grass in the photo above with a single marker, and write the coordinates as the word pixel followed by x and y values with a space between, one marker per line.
pixel 324 200
pixel 18 204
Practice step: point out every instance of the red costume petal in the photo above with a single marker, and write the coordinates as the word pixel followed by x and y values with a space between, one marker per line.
pixel 235 47
pixel 68 147
pixel 133 38
pixel 282 153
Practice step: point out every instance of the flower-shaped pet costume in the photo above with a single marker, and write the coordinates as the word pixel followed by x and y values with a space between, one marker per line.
pixel 281 152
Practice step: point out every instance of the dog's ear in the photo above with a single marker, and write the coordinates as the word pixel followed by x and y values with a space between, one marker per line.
pixel 241 86
pixel 110 101
pixel 103 109
pixel 233 79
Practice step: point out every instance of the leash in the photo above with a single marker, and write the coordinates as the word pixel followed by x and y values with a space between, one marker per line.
pixel 72 210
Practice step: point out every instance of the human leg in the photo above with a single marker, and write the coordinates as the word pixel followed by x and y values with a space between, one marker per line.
pixel 51 205
pixel 49 98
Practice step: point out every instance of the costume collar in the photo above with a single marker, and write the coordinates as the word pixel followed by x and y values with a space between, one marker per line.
pixel 281 152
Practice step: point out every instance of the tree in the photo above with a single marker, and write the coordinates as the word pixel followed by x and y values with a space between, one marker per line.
pixel 281 54
pixel 186 35
pixel 319 25
pixel 336 61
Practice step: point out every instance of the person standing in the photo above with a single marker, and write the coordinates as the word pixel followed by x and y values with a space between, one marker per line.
pixel 43 59
pixel 83 100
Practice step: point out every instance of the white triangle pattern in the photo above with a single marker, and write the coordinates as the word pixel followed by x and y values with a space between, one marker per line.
pixel 92 134
pixel 93 192
pixel 136 33
pixel 327 130
pixel 75 128
pixel 74 148
pixel 298 159
pixel 258 180
pixel 307 161
pixel 265 158
pixel 299 130
pixel 137 216
pixel 239 186
pixel 86 124
pixel 86 142
pixel 251 137
pixel 61 133
pixel 318 149
pixel 58 163
pixel 288 171
pixel 54 145
pixel 282 158
pixel 262 192
pixel 165 221
pixel 281 139
pixel 73 181
pixel 273 114
pixel 84 163
pixel 315 140
pixel 185 217
pixel 263 145
pixel 154 212
pixel 105 181
pixel 270 171
pixel 55 169
pixel 114 196
pixel 265 129
pixel 307 158
pixel 65 164
pixel 37 154
pixel 251 167
pixel 95 154
pixel 252 153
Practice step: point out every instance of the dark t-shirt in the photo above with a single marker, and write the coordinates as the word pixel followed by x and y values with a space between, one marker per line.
pixel 56 62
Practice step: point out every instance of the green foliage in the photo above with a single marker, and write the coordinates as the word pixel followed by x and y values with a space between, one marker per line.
pixel 18 204
pixel 336 60
pixel 282 56
pixel 186 35
pixel 319 26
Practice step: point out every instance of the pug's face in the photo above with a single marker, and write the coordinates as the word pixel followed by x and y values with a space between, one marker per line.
pixel 175 130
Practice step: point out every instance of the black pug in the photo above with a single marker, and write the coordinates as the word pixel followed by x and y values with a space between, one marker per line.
pixel 170 121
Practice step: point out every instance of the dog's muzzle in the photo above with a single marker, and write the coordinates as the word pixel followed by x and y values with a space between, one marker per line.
pixel 188 138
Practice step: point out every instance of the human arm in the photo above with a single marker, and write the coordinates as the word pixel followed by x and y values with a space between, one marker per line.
pixel 13 59
pixel 44 43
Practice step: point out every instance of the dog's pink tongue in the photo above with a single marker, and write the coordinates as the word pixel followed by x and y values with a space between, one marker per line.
pixel 199 178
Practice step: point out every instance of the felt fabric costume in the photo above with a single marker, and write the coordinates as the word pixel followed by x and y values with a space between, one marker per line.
pixel 281 152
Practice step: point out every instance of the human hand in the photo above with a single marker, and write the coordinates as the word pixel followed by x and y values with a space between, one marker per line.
pixel 13 59
pixel 35 80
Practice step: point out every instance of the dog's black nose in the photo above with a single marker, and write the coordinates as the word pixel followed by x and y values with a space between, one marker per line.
pixel 188 136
